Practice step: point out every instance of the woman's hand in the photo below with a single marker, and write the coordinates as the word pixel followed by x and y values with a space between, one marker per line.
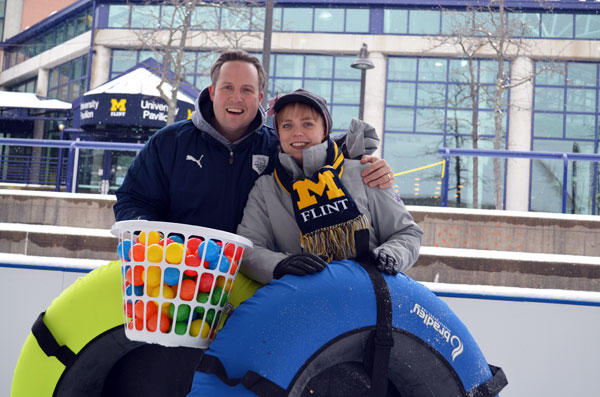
pixel 378 174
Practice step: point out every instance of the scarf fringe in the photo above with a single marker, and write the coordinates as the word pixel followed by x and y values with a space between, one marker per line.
pixel 335 242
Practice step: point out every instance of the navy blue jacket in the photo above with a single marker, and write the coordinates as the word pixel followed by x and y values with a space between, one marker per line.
pixel 189 173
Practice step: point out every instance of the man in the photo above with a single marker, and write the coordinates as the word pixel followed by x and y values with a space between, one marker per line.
pixel 200 172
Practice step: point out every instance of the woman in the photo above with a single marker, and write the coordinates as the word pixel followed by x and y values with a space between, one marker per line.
pixel 314 208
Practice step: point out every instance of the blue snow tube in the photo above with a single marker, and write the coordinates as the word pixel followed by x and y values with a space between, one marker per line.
pixel 293 330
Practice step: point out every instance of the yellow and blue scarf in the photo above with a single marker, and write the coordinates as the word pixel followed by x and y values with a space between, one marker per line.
pixel 326 214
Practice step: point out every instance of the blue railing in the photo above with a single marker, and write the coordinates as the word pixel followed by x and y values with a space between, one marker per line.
pixel 564 156
pixel 73 147
pixel 447 153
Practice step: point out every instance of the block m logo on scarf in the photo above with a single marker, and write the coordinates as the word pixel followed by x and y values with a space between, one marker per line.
pixel 306 186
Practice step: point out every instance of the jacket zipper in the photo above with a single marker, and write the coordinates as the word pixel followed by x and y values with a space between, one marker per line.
pixel 230 157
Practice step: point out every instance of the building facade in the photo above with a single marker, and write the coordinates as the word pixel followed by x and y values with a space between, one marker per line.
pixel 431 71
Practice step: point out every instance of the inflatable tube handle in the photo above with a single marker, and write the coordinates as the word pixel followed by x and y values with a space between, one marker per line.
pixel 252 381
pixel 493 386
pixel 48 343
pixel 381 341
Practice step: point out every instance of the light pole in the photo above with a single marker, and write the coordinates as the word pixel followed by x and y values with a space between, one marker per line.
pixel 363 63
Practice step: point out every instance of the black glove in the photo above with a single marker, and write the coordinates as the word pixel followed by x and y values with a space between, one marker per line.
pixel 300 265
pixel 387 263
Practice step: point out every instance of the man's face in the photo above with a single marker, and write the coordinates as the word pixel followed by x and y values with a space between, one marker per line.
pixel 236 97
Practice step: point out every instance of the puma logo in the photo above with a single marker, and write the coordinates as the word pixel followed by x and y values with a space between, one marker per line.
pixel 197 161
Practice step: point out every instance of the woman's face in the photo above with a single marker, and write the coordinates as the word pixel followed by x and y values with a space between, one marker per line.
pixel 299 127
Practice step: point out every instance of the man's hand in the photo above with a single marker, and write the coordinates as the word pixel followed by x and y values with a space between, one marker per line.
pixel 378 174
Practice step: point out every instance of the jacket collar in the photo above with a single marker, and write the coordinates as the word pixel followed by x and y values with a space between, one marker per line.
pixel 313 159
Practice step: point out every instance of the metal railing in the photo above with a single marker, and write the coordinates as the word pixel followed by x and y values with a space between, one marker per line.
pixel 73 154
pixel 564 156
pixel 73 148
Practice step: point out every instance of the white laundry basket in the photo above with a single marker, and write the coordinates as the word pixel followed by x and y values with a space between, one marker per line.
pixel 176 280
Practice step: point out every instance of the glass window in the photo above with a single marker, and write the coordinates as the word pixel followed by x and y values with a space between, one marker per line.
pixel 205 61
pixel 487 124
pixel 118 16
pixel 402 68
pixel 587 26
pixel 424 22
pixel 82 23
pixel 297 19
pixel 320 87
pixel 432 69
pixel 547 189
pixel 548 74
pixel 459 96
pixel 401 94
pixel 122 60
pixel 343 70
pixel 547 125
pixel 205 18
pixel 346 91
pixel 457 22
pixel 236 19
pixel 581 74
pixel 557 26
pixel 431 94
pixel 289 65
pixel 488 70
pixel 342 115
pixel 257 20
pixel 458 122
pixel 320 66
pixel 459 70
pixel 431 120
pixel 404 152
pixel 487 97
pixel 395 21
pixel 277 19
pixel 399 119
pixel 145 16
pixel 524 24
pixel 167 18
pixel 61 32
pixel 145 54
pixel 283 86
pixel 580 126
pixel 357 20
pixel 549 98
pixel 581 100
pixel 329 20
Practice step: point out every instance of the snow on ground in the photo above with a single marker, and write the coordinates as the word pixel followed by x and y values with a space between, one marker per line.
pixel 503 213
pixel 51 229
pixel 513 293
pixel 48 194
pixel 20 260
pixel 509 255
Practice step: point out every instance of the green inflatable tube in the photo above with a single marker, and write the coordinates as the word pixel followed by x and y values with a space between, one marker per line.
pixel 87 309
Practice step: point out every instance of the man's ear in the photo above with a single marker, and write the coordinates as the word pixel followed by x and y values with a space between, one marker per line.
pixel 260 97
pixel 211 91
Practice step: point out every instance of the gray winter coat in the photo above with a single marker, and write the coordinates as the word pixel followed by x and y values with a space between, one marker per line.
pixel 270 224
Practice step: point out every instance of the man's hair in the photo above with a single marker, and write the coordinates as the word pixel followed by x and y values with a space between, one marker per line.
pixel 238 55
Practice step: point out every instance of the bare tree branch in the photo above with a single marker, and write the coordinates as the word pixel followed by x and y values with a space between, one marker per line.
pixel 175 27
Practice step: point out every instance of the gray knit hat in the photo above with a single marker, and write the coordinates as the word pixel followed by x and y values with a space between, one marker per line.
pixel 305 97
